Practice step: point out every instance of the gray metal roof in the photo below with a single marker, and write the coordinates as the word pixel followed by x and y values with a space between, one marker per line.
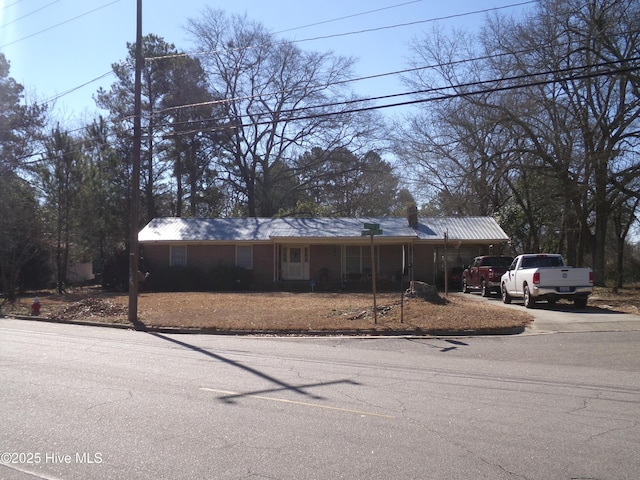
pixel 465 228
pixel 173 229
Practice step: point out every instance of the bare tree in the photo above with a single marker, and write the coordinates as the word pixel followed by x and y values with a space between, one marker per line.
pixel 280 101
pixel 555 95
pixel 349 185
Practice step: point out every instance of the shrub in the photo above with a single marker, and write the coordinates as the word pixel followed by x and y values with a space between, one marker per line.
pixel 230 278
pixel 115 272
pixel 178 279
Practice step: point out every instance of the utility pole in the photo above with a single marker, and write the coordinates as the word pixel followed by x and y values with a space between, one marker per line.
pixel 135 176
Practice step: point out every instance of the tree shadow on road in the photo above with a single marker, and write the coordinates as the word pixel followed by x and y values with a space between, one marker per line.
pixel 453 344
pixel 280 385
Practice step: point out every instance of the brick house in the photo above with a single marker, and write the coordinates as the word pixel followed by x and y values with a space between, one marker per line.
pixel 322 253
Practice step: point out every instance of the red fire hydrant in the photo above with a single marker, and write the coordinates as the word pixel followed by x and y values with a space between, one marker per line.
pixel 35 307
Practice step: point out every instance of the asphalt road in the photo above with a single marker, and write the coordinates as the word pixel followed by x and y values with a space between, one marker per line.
pixel 85 402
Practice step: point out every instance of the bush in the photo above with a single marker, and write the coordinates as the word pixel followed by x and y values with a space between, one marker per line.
pixel 115 273
pixel 228 278
pixel 178 279
pixel 36 273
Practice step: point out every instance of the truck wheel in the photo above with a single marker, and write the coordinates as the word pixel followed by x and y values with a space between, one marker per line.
pixel 580 302
pixel 484 289
pixel 506 298
pixel 529 301
pixel 465 289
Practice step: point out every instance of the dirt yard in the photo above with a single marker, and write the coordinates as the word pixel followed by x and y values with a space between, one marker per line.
pixel 297 312
pixel 276 311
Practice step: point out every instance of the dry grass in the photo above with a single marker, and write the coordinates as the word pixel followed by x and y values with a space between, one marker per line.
pixel 279 311
pixel 298 312
pixel 626 300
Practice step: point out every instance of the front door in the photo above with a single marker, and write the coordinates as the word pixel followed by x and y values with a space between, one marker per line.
pixel 295 263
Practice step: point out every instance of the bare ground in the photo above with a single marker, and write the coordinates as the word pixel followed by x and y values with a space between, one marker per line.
pixel 297 312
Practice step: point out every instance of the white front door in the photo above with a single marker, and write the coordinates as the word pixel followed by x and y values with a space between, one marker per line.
pixel 295 263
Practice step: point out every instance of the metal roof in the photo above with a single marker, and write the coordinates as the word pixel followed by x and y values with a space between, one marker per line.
pixel 463 229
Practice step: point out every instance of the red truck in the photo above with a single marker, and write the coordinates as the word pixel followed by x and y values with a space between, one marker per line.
pixel 484 274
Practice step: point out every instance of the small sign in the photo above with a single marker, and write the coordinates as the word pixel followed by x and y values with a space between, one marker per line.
pixel 372 226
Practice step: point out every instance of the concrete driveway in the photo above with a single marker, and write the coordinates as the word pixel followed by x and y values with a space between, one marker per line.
pixel 566 318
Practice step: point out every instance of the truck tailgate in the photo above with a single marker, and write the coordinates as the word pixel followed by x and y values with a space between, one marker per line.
pixel 563 278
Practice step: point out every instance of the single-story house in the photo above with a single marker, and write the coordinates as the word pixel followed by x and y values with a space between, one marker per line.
pixel 321 253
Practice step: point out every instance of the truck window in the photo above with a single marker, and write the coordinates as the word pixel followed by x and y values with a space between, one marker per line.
pixel 528 263
pixel 543 261
pixel 502 261
pixel 550 262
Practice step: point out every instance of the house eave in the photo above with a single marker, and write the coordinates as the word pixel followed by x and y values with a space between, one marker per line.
pixel 342 240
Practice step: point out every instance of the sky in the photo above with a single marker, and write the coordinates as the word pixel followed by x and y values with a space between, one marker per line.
pixel 65 48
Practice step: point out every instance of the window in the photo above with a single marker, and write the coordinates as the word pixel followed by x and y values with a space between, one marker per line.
pixel 357 259
pixel 244 256
pixel 178 256
pixel 352 259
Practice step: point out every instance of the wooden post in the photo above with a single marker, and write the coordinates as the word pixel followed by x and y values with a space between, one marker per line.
pixel 373 281
pixel 371 229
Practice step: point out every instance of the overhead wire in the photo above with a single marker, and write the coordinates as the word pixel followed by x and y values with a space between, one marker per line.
pixel 338 82
pixel 415 92
pixel 457 94
pixel 324 22
pixel 59 24
pixel 342 34
pixel 362 100
pixel 488 87
pixel 73 89
pixel 29 14
pixel 349 80
pixel 415 22
pixel 11 4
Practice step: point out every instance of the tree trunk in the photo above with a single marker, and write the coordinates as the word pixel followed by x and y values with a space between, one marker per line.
pixel 602 210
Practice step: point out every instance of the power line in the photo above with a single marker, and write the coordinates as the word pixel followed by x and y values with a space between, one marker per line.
pixel 347 16
pixel 397 72
pixel 60 24
pixel 185 54
pixel 11 4
pixel 178 55
pixel 458 94
pixel 491 88
pixel 28 14
pixel 416 22
pixel 71 90
pixel 343 34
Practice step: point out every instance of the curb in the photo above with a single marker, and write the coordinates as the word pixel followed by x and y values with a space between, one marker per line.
pixel 279 333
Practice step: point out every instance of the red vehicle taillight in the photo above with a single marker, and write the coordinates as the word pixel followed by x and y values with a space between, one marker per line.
pixel 591 278
pixel 536 277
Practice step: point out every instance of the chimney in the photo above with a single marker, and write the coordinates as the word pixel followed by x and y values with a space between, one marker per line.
pixel 412 215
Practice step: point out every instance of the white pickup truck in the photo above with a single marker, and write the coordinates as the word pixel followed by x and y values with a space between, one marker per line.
pixel 544 276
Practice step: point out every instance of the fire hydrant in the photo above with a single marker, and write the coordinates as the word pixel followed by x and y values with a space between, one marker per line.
pixel 35 307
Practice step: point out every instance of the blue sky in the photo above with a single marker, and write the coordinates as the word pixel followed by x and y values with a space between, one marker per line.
pixel 55 46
